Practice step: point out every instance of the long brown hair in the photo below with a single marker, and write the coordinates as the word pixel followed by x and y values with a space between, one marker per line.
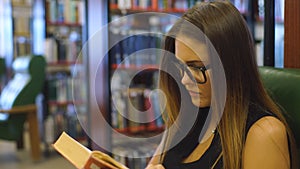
pixel 227 30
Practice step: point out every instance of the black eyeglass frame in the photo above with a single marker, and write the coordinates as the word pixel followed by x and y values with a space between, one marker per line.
pixel 184 67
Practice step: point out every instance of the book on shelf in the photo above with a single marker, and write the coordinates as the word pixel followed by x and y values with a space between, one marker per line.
pixel 135 110
pixel 65 11
pixel 82 157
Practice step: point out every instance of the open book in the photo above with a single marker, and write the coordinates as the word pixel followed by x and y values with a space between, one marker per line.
pixel 83 158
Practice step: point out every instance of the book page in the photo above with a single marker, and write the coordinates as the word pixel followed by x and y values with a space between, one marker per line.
pixel 72 150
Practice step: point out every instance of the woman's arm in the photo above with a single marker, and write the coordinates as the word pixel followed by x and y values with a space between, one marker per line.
pixel 266 145
pixel 155 161
pixel 158 166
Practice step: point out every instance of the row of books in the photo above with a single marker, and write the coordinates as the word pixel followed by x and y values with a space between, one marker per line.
pixel 62 48
pixel 137 49
pixel 134 153
pixel 136 111
pixel 155 4
pixel 134 157
pixel 22 28
pixel 242 5
pixel 64 119
pixel 278 10
pixel 22 46
pixel 21 2
pixel 60 88
pixel 64 88
pixel 65 11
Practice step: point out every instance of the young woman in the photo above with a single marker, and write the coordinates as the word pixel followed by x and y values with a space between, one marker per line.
pixel 236 124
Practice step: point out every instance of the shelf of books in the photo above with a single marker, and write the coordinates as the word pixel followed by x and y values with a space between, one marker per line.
pixel 22 28
pixel 65 109
pixel 166 6
pixel 123 8
pixel 64 20
pixel 134 63
pixel 278 11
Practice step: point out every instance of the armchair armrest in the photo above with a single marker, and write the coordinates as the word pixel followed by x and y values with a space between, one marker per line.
pixel 20 109
pixel 31 112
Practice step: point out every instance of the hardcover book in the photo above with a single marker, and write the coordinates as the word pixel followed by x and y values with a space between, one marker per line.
pixel 83 158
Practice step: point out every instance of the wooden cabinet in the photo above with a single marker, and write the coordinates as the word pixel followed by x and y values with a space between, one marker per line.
pixel 292 34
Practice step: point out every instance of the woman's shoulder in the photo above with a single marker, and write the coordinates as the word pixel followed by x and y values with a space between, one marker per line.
pixel 263 126
pixel 255 113
pixel 267 126
pixel 267 144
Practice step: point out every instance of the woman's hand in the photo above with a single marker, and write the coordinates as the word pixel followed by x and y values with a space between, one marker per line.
pixel 157 166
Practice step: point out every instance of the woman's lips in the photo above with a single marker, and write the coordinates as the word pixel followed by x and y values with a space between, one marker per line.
pixel 194 94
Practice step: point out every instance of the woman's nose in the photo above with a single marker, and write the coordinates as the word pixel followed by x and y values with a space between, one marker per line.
pixel 186 79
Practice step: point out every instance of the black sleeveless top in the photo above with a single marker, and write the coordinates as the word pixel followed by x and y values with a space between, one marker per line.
pixel 173 158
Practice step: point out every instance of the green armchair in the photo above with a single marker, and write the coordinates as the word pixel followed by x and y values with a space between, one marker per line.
pixel 283 84
pixel 18 98
pixel 2 72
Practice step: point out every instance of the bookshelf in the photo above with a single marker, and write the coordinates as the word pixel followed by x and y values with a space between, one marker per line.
pixel 134 55
pixel 65 102
pixel 22 16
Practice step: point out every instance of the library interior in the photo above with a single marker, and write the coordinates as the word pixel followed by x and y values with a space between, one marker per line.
pixel 84 68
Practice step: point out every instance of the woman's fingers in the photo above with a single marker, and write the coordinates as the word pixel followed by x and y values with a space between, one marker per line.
pixel 158 166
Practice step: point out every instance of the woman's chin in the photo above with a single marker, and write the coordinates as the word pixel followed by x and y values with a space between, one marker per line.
pixel 196 102
pixel 199 103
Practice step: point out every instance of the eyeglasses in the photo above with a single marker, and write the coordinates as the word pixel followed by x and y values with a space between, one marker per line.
pixel 196 73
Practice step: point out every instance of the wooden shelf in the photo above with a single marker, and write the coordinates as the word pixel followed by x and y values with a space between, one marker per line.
pixel 61 63
pixel 20 4
pixel 135 67
pixel 114 9
pixel 49 23
pixel 60 66
pixel 277 20
pixel 140 130
pixel 63 103
pixel 22 34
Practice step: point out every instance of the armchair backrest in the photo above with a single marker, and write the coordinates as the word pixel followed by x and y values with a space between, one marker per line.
pixel 2 72
pixel 283 85
pixel 26 84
